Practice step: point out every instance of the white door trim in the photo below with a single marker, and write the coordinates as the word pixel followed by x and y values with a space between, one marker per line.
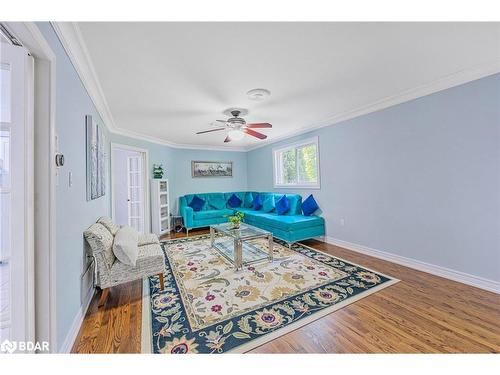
pixel 44 179
pixel 145 168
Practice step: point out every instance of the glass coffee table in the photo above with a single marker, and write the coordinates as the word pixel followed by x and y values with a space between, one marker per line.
pixel 238 245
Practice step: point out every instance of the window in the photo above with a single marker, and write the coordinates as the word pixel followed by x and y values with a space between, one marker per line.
pixel 297 165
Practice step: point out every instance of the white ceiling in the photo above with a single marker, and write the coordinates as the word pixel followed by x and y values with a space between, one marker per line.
pixel 170 80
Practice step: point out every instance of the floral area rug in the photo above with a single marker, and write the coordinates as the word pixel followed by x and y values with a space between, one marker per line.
pixel 209 307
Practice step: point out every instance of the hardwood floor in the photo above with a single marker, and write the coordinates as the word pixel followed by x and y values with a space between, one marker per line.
pixel 421 314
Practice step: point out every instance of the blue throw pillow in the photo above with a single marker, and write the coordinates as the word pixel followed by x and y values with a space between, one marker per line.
pixel 197 203
pixel 248 200
pixel 217 203
pixel 309 206
pixel 282 205
pixel 234 201
pixel 257 202
pixel 268 204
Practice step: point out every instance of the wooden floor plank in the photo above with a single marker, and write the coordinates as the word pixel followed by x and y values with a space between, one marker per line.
pixel 421 314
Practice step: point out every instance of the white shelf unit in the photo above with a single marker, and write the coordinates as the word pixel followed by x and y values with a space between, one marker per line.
pixel 160 206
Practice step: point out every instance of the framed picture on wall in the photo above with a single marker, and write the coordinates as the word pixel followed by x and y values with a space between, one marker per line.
pixel 96 163
pixel 211 169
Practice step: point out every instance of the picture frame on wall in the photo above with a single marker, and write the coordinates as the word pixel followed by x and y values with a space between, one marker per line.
pixel 96 159
pixel 211 169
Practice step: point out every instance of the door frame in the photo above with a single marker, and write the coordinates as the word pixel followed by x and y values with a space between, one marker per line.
pixel 145 168
pixel 43 267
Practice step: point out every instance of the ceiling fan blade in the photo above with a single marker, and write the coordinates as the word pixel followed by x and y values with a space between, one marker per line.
pixel 211 130
pixel 227 139
pixel 259 125
pixel 255 134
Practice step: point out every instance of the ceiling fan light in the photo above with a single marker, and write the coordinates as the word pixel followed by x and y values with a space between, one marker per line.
pixel 236 135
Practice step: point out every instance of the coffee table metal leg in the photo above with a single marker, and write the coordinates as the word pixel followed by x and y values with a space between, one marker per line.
pixel 238 254
pixel 271 246
pixel 212 236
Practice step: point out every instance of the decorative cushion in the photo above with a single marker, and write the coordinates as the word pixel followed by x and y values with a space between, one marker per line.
pixel 257 202
pixel 248 200
pixel 268 204
pixel 309 206
pixel 234 201
pixel 197 203
pixel 109 224
pixel 125 245
pixel 217 203
pixel 282 205
pixel 101 241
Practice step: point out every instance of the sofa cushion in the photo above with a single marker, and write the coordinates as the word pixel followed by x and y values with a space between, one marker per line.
pixel 150 260
pixel 283 222
pixel 234 201
pixel 295 201
pixel 147 239
pixel 257 202
pixel 196 203
pixel 309 206
pixel 210 214
pixel 247 202
pixel 217 203
pixel 282 205
pixel 268 205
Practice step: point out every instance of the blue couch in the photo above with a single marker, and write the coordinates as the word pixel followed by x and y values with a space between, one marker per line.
pixel 290 227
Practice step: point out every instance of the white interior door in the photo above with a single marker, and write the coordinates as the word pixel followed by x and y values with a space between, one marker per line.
pixel 16 197
pixel 135 192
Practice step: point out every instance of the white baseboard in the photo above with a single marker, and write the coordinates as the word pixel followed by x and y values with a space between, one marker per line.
pixel 461 277
pixel 77 323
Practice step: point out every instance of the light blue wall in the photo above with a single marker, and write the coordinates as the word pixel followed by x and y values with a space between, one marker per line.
pixel 177 164
pixel 420 179
pixel 74 213
pixel 185 184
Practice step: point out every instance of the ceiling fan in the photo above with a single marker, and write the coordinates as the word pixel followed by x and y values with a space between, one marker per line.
pixel 237 127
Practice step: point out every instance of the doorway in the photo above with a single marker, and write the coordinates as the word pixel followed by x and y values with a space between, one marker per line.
pixel 130 187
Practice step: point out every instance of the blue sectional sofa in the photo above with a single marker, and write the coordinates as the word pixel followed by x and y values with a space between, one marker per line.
pixel 291 227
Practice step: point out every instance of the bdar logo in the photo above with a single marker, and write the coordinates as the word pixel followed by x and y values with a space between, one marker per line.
pixel 8 346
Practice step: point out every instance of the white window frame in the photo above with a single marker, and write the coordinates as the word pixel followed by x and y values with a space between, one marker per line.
pixel 277 166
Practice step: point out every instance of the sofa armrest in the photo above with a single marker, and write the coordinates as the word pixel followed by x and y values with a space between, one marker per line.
pixel 187 216
pixel 147 239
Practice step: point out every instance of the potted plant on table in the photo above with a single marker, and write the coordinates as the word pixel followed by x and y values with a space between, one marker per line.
pixel 236 219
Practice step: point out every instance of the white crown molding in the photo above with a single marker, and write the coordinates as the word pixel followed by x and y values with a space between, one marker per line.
pixel 449 81
pixel 147 138
pixel 71 38
pixel 461 277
